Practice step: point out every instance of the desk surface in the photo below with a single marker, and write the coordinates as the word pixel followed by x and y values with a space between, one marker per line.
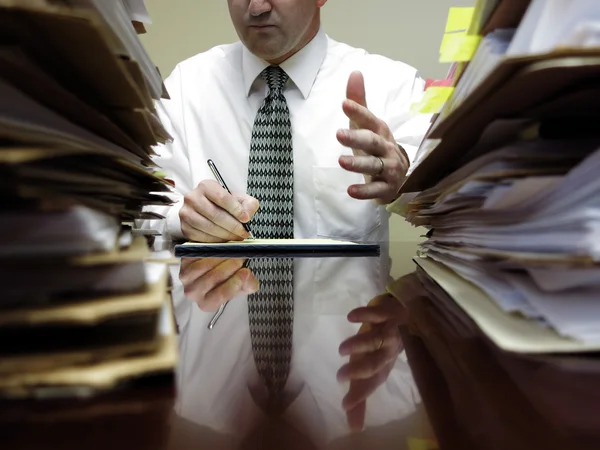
pixel 220 398
pixel 423 366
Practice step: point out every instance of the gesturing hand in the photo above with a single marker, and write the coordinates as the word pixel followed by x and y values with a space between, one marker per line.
pixel 376 154
pixel 211 214
pixel 211 282
pixel 373 352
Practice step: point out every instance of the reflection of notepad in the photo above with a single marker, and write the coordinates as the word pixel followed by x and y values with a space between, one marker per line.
pixel 297 248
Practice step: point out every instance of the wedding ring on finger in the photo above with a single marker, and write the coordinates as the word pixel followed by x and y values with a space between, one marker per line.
pixel 381 164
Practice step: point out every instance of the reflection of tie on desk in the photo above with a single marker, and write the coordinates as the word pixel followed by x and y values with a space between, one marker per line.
pixel 270 180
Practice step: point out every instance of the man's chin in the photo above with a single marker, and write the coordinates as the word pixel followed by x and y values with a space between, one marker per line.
pixel 267 56
pixel 269 51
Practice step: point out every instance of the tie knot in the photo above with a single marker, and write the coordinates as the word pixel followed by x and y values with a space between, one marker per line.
pixel 275 77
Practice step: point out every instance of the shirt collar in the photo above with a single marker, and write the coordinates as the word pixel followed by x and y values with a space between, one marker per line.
pixel 302 67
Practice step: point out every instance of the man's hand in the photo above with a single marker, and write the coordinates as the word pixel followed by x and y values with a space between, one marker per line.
pixel 210 214
pixel 373 353
pixel 211 282
pixel 376 154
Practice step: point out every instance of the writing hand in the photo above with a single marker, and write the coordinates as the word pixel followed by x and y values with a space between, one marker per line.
pixel 211 214
pixel 376 154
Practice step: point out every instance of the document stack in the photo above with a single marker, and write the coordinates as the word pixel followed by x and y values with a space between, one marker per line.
pixel 86 329
pixel 505 327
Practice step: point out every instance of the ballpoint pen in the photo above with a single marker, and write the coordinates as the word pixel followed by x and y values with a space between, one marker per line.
pixel 221 181
pixel 219 313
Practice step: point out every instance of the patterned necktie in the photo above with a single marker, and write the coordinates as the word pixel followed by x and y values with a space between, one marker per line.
pixel 271 181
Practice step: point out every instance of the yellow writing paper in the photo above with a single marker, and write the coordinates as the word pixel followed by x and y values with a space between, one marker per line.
pixel 296 242
pixel 459 19
pixel 459 48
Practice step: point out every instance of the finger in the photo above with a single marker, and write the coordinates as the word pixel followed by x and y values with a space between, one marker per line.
pixel 377 314
pixel 198 289
pixel 252 284
pixel 365 140
pixel 186 262
pixel 361 117
pixel 361 390
pixel 207 208
pixel 197 268
pixel 356 417
pixel 365 366
pixel 367 165
pixel 355 90
pixel 250 204
pixel 220 197
pixel 195 235
pixel 367 191
pixel 381 299
pixel 242 282
pixel 368 342
pixel 201 223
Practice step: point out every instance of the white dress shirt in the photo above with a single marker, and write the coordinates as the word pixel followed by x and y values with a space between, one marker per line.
pixel 215 97
pixel 220 389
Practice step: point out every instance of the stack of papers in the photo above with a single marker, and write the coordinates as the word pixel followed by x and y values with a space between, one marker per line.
pixel 84 313
pixel 522 224
pixel 537 69
pixel 549 25
pixel 509 187
pixel 503 311
pixel 512 388
pixel 488 56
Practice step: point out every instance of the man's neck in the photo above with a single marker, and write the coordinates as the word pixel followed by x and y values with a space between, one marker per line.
pixel 310 35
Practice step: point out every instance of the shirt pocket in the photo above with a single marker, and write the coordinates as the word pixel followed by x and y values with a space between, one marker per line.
pixel 340 216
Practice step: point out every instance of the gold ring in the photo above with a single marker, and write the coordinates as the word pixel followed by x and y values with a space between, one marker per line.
pixel 382 166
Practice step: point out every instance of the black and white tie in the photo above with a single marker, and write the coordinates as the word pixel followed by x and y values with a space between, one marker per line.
pixel 271 181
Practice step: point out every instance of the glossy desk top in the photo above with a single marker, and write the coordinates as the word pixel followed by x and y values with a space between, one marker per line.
pixel 345 389
pixel 366 371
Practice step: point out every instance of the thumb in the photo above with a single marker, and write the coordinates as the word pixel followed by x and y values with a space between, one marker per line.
pixel 250 204
pixel 355 90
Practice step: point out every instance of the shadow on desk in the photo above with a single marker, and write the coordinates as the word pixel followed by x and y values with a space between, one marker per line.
pixel 279 434
pixel 120 421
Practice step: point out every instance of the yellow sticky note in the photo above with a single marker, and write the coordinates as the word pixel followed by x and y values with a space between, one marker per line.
pixel 421 444
pixel 459 48
pixel 433 100
pixel 447 40
pixel 459 19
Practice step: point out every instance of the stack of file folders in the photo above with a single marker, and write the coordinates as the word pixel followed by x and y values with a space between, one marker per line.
pixel 504 330
pixel 86 328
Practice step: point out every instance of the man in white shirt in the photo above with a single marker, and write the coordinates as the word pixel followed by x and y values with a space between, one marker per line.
pixel 215 97
pixel 343 154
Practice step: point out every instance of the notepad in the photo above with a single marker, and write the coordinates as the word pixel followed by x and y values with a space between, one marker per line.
pixel 278 248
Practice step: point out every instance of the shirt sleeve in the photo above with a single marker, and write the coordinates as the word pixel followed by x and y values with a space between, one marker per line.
pixel 408 129
pixel 172 158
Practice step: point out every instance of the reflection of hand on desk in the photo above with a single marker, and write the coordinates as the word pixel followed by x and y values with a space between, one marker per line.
pixel 212 282
pixel 373 352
